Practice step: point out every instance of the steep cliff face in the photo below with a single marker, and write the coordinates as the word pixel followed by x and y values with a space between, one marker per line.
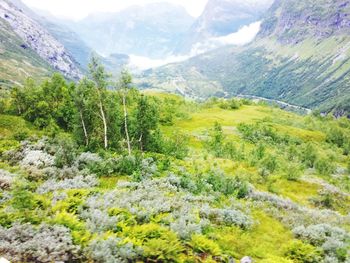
pixel 294 21
pixel 38 39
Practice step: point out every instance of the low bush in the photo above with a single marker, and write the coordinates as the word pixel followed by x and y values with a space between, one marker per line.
pixel 25 243
pixel 78 182
pixel 324 166
pixel 157 242
pixel 203 245
pixel 300 252
pixel 113 249
pixel 333 240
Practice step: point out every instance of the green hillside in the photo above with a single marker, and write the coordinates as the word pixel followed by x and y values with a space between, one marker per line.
pixel 300 56
pixel 17 60
pixel 205 182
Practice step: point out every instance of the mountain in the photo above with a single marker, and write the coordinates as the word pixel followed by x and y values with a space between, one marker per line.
pixel 76 47
pixel 301 55
pixel 27 42
pixel 17 60
pixel 151 30
pixel 221 18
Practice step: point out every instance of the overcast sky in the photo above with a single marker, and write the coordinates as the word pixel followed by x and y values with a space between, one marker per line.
pixel 78 9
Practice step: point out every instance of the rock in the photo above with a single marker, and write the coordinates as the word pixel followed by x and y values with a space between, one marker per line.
pixel 246 260
pixel 39 40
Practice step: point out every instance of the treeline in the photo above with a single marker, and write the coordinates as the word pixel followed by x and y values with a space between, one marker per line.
pixel 100 114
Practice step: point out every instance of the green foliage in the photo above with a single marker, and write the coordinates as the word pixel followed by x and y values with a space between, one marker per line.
pixel 216 141
pixel 158 243
pixel 66 152
pixel 201 244
pixel 293 172
pixel 303 253
pixel 309 155
pixel 261 132
pixel 23 198
pixel 324 166
pixel 232 104
pixel 147 120
pixel 269 163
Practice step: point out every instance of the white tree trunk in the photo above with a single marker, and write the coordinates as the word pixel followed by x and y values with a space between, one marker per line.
pixel 84 129
pixel 103 116
pixel 126 124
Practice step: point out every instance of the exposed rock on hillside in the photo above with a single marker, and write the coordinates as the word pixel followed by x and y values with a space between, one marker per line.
pixel 38 39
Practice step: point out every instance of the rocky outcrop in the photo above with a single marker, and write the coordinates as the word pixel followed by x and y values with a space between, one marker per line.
pixel 39 40
pixel 293 21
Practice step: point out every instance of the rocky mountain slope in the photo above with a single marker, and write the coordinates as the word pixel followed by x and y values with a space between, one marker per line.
pixel 36 38
pixel 78 49
pixel 17 60
pixel 301 56
pixel 151 30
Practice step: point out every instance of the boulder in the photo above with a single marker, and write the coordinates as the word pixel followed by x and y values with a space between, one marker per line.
pixel 246 260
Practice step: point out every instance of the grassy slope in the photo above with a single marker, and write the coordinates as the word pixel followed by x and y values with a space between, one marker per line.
pixel 267 239
pixel 312 74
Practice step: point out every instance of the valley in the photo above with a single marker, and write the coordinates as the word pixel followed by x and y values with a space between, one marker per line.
pixel 181 131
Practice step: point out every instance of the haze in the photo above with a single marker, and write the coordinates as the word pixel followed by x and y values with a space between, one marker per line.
pixel 79 9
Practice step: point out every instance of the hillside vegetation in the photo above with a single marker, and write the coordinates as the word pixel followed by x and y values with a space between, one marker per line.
pixel 123 176
pixel 300 56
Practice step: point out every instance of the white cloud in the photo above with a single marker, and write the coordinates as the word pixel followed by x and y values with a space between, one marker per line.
pixel 143 63
pixel 78 9
pixel 243 36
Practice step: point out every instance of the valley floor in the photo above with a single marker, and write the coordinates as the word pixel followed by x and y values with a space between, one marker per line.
pixel 257 181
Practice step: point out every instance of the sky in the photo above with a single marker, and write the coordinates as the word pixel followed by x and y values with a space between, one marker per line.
pixel 78 9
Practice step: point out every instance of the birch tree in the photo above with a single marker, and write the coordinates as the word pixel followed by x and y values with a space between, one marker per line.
pixel 99 76
pixel 124 84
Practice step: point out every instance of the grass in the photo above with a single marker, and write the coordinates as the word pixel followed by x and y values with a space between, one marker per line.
pixel 268 238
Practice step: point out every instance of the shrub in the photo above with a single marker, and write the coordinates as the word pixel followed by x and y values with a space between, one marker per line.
pixel 6 179
pixel 324 166
pixel 216 142
pixel 300 252
pixel 231 104
pixel 333 240
pixel 24 243
pixel 87 160
pixel 23 198
pixel 336 136
pixel 293 172
pixel 65 152
pixel 309 155
pixel 37 158
pixel 228 217
pixel 113 249
pixel 77 182
pixel 21 135
pixel 203 245
pixel 269 163
pixel 157 242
